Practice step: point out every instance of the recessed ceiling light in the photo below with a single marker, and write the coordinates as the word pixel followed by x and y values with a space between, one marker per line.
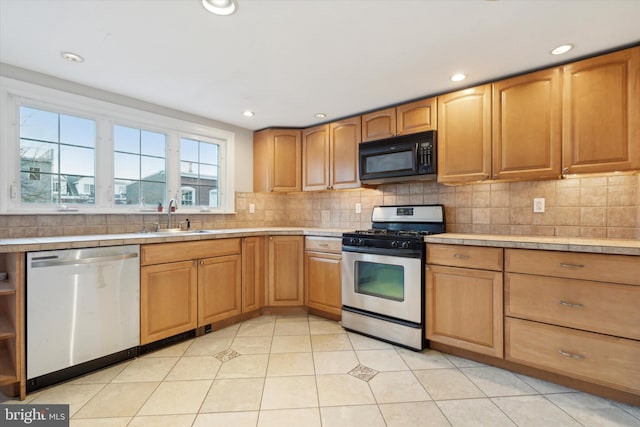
pixel 320 115
pixel 248 113
pixel 220 7
pixel 458 77
pixel 564 48
pixel 72 57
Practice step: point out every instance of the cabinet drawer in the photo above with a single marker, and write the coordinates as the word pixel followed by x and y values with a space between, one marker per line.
pixel 575 265
pixel 323 244
pixel 614 362
pixel 465 256
pixel 594 306
pixel 170 252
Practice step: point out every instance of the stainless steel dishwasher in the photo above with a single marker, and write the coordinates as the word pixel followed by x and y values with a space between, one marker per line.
pixel 82 311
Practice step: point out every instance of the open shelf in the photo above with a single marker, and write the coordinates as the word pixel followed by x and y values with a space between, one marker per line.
pixel 7 288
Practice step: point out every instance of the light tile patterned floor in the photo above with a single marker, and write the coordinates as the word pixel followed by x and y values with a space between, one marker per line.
pixel 299 370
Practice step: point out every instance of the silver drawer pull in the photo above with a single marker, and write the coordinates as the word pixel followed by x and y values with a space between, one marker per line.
pixel 566 265
pixel 570 304
pixel 323 245
pixel 571 355
pixel 461 256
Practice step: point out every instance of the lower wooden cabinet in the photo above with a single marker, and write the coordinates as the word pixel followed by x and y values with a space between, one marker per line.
pixel 323 275
pixel 285 278
pixel 168 300
pixel 598 358
pixel 253 273
pixel 464 297
pixel 464 308
pixel 219 288
pixel 12 372
pixel 201 286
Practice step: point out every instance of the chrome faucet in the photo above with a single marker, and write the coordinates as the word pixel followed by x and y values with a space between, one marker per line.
pixel 174 203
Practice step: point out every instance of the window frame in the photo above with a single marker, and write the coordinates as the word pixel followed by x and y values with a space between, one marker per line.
pixel 15 93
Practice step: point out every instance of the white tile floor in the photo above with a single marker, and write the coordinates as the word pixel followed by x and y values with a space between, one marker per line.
pixel 300 370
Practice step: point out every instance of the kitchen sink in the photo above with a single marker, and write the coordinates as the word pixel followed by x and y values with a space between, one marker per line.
pixel 176 232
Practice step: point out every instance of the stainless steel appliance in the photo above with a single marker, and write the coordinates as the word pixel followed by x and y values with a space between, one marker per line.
pixel 82 311
pixel 402 158
pixel 383 273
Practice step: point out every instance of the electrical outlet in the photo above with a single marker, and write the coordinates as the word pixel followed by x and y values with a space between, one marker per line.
pixel 358 208
pixel 252 208
pixel 538 205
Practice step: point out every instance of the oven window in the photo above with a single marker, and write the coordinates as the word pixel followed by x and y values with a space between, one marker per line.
pixel 380 280
pixel 402 160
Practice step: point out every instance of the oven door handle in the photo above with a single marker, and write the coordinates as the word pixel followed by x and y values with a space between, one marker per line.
pixel 401 253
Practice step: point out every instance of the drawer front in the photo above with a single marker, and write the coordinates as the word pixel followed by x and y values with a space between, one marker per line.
pixel 614 362
pixel 323 244
pixel 477 257
pixel 594 306
pixel 575 265
pixel 170 252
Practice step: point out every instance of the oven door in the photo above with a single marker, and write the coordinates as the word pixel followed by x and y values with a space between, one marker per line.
pixel 383 285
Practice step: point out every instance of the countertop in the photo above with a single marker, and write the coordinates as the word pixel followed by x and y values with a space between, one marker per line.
pixel 571 244
pixel 68 242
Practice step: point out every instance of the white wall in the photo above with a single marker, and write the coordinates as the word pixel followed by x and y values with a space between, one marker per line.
pixel 243 167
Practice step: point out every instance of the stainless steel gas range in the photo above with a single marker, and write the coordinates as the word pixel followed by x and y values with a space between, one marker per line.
pixel 383 278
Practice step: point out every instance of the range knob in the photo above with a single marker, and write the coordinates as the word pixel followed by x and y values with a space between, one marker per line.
pixel 360 242
pixel 394 244
pixel 405 245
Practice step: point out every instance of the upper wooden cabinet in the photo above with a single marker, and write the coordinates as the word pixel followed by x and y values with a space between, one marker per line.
pixel 601 108
pixel 277 160
pixel 330 155
pixel 464 135
pixel 510 130
pixel 527 126
pixel 408 118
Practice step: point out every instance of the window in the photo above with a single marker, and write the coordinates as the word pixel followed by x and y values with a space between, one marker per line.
pixel 65 152
pixel 57 158
pixel 199 164
pixel 139 166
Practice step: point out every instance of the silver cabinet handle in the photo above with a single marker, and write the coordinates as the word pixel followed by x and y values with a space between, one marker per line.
pixel 461 256
pixel 567 265
pixel 571 355
pixel 570 304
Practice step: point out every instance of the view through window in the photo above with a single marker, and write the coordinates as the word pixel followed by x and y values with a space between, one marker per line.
pixel 57 158
pixel 199 167
pixel 139 166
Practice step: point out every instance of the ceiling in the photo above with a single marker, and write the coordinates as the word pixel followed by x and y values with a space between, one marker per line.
pixel 289 59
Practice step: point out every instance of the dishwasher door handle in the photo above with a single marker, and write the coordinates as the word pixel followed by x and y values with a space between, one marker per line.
pixel 35 263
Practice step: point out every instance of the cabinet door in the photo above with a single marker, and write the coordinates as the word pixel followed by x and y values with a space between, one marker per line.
pixel 345 136
pixel 287 154
pixel 527 126
pixel 219 288
pixel 168 300
pixel 286 271
pixel 379 124
pixel 323 282
pixel 464 135
pixel 253 257
pixel 601 108
pixel 418 116
pixel 315 158
pixel 277 160
pixel 464 309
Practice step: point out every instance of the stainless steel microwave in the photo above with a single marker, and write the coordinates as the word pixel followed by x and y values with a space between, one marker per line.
pixel 402 158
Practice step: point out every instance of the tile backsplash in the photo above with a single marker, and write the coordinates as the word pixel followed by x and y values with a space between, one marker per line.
pixel 595 206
